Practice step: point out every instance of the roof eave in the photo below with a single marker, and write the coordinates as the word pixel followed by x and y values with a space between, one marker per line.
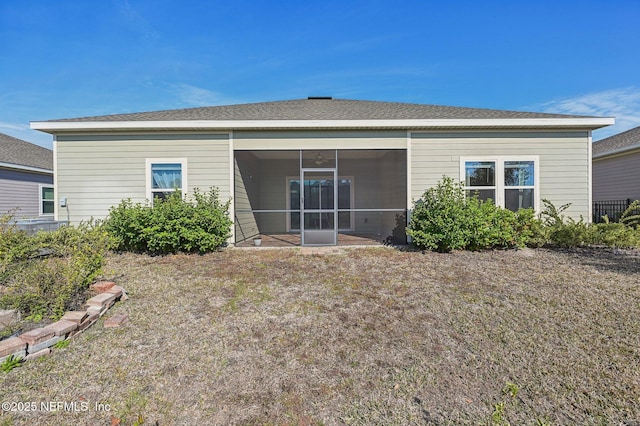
pixel 623 150
pixel 25 168
pixel 54 127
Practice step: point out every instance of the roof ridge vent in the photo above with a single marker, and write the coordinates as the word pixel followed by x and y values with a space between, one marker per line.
pixel 320 97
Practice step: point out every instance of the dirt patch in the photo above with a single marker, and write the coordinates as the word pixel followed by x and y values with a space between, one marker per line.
pixel 366 336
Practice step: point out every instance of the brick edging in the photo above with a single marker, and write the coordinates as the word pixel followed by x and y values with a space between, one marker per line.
pixel 38 342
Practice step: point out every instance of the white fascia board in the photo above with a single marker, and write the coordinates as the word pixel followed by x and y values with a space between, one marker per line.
pixel 74 126
pixel 617 151
pixel 25 168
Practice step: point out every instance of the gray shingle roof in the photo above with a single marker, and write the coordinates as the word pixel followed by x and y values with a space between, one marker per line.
pixel 319 109
pixel 617 142
pixel 23 153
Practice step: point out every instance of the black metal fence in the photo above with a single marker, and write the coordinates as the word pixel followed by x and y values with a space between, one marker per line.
pixel 612 209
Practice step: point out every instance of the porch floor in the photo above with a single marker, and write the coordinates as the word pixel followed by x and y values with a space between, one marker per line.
pixel 293 240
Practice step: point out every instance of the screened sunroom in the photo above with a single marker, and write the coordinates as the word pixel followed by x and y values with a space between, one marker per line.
pixel 320 197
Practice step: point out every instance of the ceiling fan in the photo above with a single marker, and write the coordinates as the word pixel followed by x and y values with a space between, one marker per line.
pixel 320 160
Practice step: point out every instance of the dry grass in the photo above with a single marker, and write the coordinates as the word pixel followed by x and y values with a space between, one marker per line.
pixel 370 336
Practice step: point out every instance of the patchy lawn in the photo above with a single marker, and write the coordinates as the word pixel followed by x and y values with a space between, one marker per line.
pixel 369 336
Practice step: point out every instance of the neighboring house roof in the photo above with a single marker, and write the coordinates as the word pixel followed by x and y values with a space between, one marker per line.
pixel 19 154
pixel 621 142
pixel 320 113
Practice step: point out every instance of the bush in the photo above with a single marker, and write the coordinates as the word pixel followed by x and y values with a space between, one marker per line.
pixel 560 232
pixel 444 219
pixel 438 218
pixel 492 226
pixel 614 235
pixel 171 225
pixel 631 216
pixel 44 273
pixel 576 233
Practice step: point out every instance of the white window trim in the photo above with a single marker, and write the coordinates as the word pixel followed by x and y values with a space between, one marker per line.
pixel 41 200
pixel 499 176
pixel 351 201
pixel 150 161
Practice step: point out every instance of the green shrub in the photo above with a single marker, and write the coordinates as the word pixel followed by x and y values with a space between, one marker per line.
pixel 560 232
pixel 614 235
pixel 15 246
pixel 444 219
pixel 44 273
pixel 563 232
pixel 438 218
pixel 492 226
pixel 171 225
pixel 631 216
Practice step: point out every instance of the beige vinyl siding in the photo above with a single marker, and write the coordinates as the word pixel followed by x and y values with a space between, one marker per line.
pixel 96 172
pixel 563 164
pixel 320 139
pixel 245 189
pixel 617 177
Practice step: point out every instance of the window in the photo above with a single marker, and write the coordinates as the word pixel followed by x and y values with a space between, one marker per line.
pixel 47 203
pixel 519 185
pixel 165 176
pixel 511 182
pixel 480 178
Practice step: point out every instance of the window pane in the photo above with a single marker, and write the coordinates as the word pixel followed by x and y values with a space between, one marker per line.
pixel 47 207
pixel 311 221
pixel 47 193
pixel 482 194
pixel 480 173
pixel 166 176
pixel 515 199
pixel 344 193
pixel 518 173
pixel 161 194
pixel 295 220
pixel 311 194
pixel 344 220
pixel 326 193
pixel 327 220
pixel 294 194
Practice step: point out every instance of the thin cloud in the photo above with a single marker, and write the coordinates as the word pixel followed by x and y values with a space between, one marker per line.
pixel 622 103
pixel 135 21
pixel 194 96
pixel 11 126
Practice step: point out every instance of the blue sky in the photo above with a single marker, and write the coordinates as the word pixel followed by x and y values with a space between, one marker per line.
pixel 75 58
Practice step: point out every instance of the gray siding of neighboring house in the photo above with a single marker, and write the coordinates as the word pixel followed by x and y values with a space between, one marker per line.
pixel 617 177
pixel 564 161
pixel 95 172
pixel 21 190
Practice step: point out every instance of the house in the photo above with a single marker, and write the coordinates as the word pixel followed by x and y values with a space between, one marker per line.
pixel 616 167
pixel 322 171
pixel 26 179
